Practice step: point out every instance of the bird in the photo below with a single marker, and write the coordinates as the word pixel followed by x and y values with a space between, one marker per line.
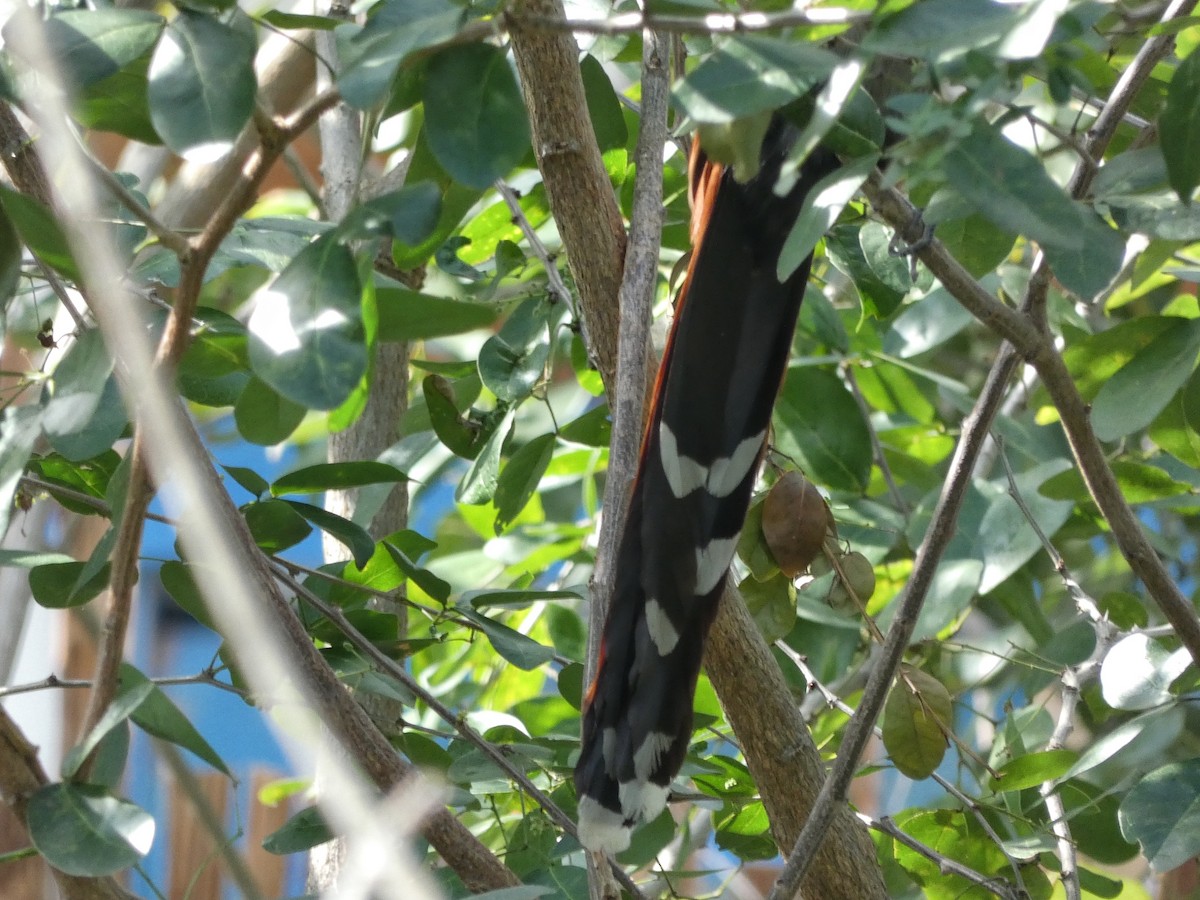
pixel 704 439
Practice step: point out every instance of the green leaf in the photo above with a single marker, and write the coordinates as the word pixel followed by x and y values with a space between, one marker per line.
pixel 28 559
pixel 933 29
pixel 463 438
pixel 248 480
pixel 307 335
pixel 474 115
pixel 1094 360
pixel 975 242
pixel 820 425
pixel 202 84
pixel 354 537
pixel 275 525
pixel 821 208
pixel 19 430
pixel 157 715
pixel 1012 189
pixel 40 232
pixel 513 361
pixel 10 259
pixel 215 370
pixel 1004 540
pixel 1179 127
pixel 749 74
pixel 128 699
pixel 81 829
pixel 478 486
pixel 120 104
pixel 1137 673
pixel 410 316
pixel 1139 482
pixel 409 215
pixel 745 832
pixel 1033 769
pixel 1162 217
pixel 303 831
pixel 396 29
pixel 521 892
pixel 916 717
pixel 177 580
pixel 337 476
pixel 82 414
pixel 457 201
pixel 93 44
pixel 56 586
pixel 604 107
pixel 1166 721
pixel 844 250
pixel 1142 388
pixel 522 651
pixel 264 416
pixel 772 605
pixel 520 478
pixel 951 834
pixel 737 143
pixel 570 684
pixel 514 598
pixel 926 324
pixel 1162 813
pixel 424 579
pixel 593 428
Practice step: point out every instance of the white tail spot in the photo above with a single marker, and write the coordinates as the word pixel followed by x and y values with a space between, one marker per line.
pixel 662 629
pixel 712 562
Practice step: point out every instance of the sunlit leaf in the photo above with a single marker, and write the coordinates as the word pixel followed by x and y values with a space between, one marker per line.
pixel 202 84
pixel 307 336
pixel 82 829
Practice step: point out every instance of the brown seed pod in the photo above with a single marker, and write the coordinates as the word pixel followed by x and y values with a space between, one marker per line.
pixel 795 519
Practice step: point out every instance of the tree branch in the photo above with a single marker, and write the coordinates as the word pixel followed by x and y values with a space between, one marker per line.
pixel 941 529
pixel 780 753
pixel 21 775
pixel 580 194
pixel 1073 411
pixel 245 599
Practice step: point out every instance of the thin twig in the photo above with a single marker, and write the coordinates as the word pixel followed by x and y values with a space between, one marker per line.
pixel 836 702
pixel 53 682
pixel 122 581
pixel 1074 413
pixel 635 301
pixel 558 288
pixel 168 237
pixel 945 864
pixel 937 538
pixel 1072 679
pixel 60 291
pixel 397 670
pixel 712 23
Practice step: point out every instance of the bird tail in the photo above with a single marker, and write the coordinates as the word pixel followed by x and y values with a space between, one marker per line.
pixel 724 360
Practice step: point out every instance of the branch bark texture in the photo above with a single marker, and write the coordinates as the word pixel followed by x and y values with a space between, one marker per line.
pixel 581 196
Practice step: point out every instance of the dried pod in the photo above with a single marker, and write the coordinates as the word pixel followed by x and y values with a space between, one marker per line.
pixel 795 519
